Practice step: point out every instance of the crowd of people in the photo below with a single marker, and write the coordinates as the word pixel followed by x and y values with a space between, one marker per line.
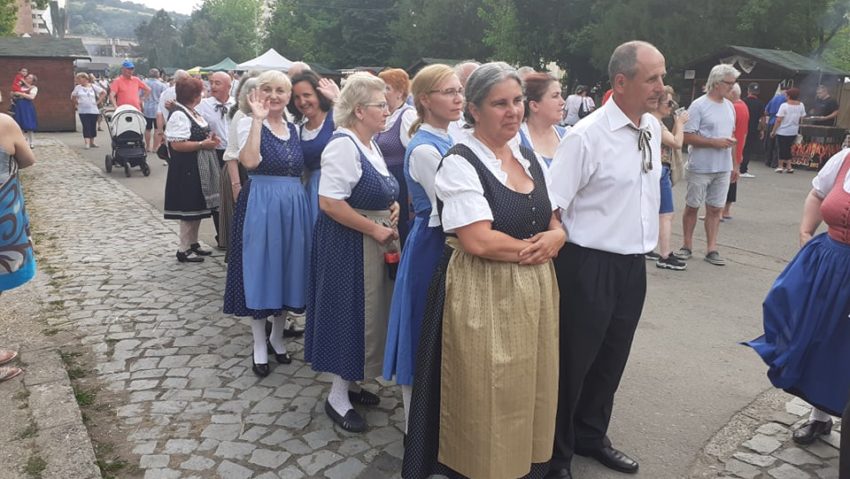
pixel 478 239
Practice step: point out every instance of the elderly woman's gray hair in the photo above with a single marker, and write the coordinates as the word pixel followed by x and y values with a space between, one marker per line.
pixel 736 91
pixel 358 90
pixel 242 92
pixel 482 80
pixel 718 74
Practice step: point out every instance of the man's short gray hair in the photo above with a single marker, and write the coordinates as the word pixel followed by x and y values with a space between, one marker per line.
pixel 736 91
pixel 464 69
pixel 358 90
pixel 718 74
pixel 482 80
pixel 624 59
pixel 180 74
pixel 153 73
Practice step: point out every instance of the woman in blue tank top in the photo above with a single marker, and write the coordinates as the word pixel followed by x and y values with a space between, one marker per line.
pixel 543 107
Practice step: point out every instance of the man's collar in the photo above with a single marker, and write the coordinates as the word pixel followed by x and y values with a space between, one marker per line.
pixel 617 119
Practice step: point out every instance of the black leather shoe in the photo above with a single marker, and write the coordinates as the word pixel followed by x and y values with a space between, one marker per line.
pixel 559 474
pixel 811 430
pixel 612 459
pixel 352 422
pixel 189 257
pixel 284 358
pixel 261 370
pixel 363 397
pixel 196 247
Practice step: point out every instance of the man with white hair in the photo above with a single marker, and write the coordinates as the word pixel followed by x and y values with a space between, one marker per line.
pixel 165 101
pixel 710 134
pixel 297 68
pixel 742 120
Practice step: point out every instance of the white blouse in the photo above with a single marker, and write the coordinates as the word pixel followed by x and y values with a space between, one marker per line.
pixel 422 166
pixel 231 153
pixel 243 129
pixel 341 170
pixel 408 117
pixel 179 127
pixel 458 186
pixel 828 175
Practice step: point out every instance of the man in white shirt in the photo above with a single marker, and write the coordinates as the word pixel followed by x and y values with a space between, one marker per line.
pixel 710 132
pixel 605 177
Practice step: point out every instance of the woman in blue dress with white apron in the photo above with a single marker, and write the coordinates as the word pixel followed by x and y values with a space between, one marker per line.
pixel 438 97
pixel 350 287
pixel 311 106
pixel 543 108
pixel 270 241
pixel 394 138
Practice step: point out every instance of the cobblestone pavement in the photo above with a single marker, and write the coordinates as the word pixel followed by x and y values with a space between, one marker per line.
pixel 763 448
pixel 192 407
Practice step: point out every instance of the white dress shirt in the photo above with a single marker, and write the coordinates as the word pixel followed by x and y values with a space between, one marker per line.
pixel 609 202
pixel 217 120
pixel 422 166
pixel 341 170
pixel 828 175
pixel 243 129
pixel 459 188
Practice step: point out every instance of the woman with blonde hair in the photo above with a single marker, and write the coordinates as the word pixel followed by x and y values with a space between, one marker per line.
pixel 393 140
pixel 350 286
pixel 438 98
pixel 270 245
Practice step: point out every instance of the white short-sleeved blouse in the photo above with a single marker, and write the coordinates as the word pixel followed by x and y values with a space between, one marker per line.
pixel 243 129
pixel 179 127
pixel 422 166
pixel 460 190
pixel 828 175
pixel 341 170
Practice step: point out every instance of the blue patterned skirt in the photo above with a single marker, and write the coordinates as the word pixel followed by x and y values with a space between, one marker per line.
pixel 17 260
pixel 419 261
pixel 312 186
pixel 269 248
pixel 806 341
pixel 25 114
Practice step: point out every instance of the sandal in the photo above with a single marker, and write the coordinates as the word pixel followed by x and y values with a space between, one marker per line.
pixel 351 422
pixel 364 398
pixel 9 373
pixel 7 355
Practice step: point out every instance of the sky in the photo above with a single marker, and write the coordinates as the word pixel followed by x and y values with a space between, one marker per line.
pixel 179 6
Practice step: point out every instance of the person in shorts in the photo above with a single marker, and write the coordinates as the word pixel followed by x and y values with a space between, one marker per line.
pixel 710 136
pixel 150 106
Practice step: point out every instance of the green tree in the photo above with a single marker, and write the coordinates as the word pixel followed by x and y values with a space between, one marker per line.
pixel 8 17
pixel 159 40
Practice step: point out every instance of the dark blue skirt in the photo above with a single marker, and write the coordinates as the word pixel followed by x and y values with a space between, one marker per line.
pixel 25 114
pixel 806 341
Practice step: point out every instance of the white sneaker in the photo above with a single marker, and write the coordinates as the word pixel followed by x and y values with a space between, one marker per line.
pixel 747 175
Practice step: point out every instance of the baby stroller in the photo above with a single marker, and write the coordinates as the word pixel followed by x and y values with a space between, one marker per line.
pixel 127 128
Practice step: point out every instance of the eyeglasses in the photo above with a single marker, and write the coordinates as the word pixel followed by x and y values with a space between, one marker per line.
pixel 381 105
pixel 449 92
pixel 730 83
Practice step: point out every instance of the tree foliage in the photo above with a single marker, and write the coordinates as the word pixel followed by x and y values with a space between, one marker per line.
pixel 222 28
pixel 8 16
pixel 159 40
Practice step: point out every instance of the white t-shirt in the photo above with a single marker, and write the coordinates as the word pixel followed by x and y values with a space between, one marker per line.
pixel 341 170
pixel 458 186
pixel 791 116
pixel 828 175
pixel 571 107
pixel 86 98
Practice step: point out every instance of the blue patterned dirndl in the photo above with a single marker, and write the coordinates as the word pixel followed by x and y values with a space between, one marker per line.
pixel 313 162
pixel 806 341
pixel 349 290
pixel 17 259
pixel 25 114
pixel 267 268
pixel 419 260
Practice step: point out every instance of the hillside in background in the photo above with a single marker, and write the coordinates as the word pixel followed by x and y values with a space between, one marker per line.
pixel 110 18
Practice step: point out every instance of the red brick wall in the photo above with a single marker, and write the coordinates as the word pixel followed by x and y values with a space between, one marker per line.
pixel 55 83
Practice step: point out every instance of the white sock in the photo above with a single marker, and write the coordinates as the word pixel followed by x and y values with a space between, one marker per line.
pixel 818 415
pixel 406 395
pixel 261 351
pixel 339 396
pixel 278 325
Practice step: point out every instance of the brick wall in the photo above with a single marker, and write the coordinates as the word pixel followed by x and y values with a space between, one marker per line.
pixel 55 83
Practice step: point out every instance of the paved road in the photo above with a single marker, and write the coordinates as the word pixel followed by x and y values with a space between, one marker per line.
pixel 687 375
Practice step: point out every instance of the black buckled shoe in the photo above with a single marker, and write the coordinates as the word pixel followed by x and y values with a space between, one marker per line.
pixel 612 459
pixel 189 257
pixel 812 430
pixel 364 398
pixel 284 358
pixel 196 248
pixel 559 474
pixel 351 422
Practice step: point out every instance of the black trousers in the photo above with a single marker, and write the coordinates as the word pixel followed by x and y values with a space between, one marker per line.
pixel 215 212
pixel 752 149
pixel 771 151
pixel 844 462
pixel 89 122
pixel 602 296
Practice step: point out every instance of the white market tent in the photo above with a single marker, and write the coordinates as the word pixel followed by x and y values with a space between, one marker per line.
pixel 271 60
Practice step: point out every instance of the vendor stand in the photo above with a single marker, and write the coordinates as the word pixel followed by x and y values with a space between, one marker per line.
pixel 819 143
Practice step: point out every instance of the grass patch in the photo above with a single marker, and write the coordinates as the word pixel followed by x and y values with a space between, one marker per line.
pixel 110 469
pixel 84 398
pixel 77 372
pixel 35 466
pixel 68 358
pixel 29 432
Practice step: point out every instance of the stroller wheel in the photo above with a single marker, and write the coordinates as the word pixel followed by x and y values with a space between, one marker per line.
pixel 109 163
pixel 127 169
pixel 146 170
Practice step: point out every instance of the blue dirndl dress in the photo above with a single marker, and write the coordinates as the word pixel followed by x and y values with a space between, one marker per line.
pixel 419 261
pixel 806 341
pixel 25 114
pixel 346 319
pixel 394 153
pixel 525 140
pixel 313 162
pixel 17 259
pixel 270 242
